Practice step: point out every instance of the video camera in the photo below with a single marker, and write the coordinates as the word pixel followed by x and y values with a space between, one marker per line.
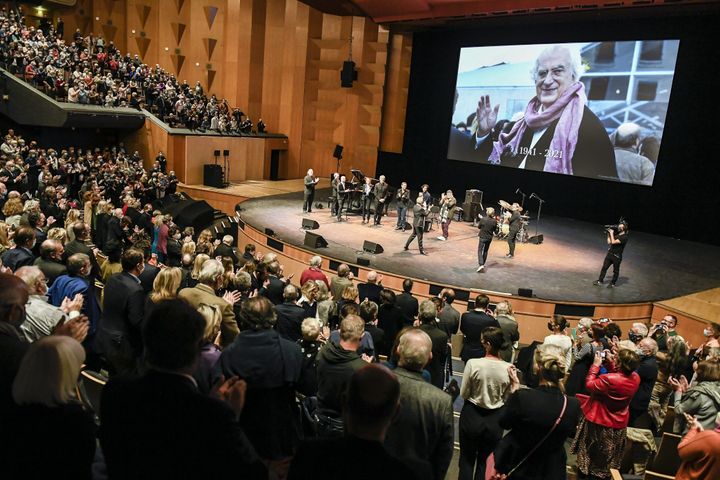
pixel 616 227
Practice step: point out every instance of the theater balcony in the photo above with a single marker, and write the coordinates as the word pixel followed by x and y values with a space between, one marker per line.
pixel 26 105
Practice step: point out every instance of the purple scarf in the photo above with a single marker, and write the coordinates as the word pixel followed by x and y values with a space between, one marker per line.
pixel 569 109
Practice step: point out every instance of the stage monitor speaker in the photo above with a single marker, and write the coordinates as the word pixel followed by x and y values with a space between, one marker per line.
pixel 525 292
pixel 536 239
pixel 363 262
pixel 216 153
pixel 309 224
pixel 338 152
pixel 269 232
pixel 472 196
pixel 372 247
pixel 470 211
pixel 212 175
pixel 196 214
pixel 348 74
pixel 313 240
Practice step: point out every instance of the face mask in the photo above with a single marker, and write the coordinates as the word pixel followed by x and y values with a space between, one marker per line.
pixel 550 326
pixel 634 337
pixel 707 332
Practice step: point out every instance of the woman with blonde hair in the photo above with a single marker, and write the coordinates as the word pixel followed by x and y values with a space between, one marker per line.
pixel 205 242
pixel 13 210
pixel 72 217
pixel 4 237
pixel 188 248
pixel 59 234
pixel 160 236
pixel 210 352
pixel 166 284
pixel 53 436
pixel 197 266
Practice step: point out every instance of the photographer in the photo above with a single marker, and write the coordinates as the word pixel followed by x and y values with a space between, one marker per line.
pixel 617 237
pixel 664 330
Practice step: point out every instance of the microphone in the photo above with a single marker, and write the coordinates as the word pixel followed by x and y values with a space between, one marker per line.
pixel 532 195
pixel 517 191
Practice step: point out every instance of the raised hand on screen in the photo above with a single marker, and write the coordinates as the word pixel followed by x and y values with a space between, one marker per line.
pixel 486 116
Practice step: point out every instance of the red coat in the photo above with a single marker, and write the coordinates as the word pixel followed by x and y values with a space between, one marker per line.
pixel 610 395
pixel 313 274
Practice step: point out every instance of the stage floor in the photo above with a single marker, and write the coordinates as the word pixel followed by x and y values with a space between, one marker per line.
pixel 562 268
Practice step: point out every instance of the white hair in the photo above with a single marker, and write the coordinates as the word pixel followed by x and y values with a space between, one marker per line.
pixel 575 61
pixel 211 270
pixel 30 275
pixel 640 328
pixel 414 349
pixel 316 261
pixel 228 239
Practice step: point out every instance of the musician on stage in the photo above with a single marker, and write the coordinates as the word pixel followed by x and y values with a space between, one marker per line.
pixel 425 192
pixel 380 192
pixel 342 191
pixel 487 225
pixel 617 237
pixel 309 194
pixel 515 224
pixel 334 193
pixel 419 214
pixel 366 196
pixel 402 203
pixel 447 210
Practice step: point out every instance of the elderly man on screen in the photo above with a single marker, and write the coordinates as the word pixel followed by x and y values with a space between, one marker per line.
pixel 558 133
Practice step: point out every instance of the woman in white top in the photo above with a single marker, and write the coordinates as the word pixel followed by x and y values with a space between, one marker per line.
pixel 487 382
pixel 557 326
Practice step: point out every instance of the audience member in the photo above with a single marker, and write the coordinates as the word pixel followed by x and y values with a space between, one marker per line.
pixel 701 399
pixel 427 316
pixel 339 283
pixel 390 320
pixel 313 272
pixel 21 255
pixel 371 289
pixel 50 260
pixel 407 303
pixel 509 326
pixel 699 451
pixel 448 316
pixel 559 337
pixel 289 315
pixel 472 324
pixel 648 372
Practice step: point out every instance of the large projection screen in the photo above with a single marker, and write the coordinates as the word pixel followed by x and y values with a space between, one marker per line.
pixel 594 110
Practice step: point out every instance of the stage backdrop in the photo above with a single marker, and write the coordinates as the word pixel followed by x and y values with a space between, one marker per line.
pixel 682 201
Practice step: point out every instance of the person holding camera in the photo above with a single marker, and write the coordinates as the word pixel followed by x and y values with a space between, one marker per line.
pixel 617 237
pixel 662 331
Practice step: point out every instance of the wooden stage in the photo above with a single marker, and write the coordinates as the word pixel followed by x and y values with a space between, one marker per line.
pixel 560 271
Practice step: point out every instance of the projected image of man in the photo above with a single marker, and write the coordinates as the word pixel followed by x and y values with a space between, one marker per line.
pixel 631 166
pixel 558 133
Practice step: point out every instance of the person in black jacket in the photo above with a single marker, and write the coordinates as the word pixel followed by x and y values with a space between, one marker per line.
pixel 407 303
pixel 139 415
pixel 472 324
pixel 123 306
pixel 419 214
pixel 648 372
pixel 487 225
pixel 369 313
pixel 372 288
pixel 274 288
pixel 290 315
pixel 390 320
pixel 150 271
pixel 225 249
pixel 428 319
pixel 82 234
pixel 21 255
pixel 174 247
pixel 50 261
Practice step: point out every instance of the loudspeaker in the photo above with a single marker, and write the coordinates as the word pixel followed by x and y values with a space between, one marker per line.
pixel 269 232
pixel 212 175
pixel 216 153
pixel 525 292
pixel 363 262
pixel 309 224
pixel 348 74
pixel 372 247
pixel 473 196
pixel 196 214
pixel 313 240
pixel 470 211
pixel 536 239
pixel 338 152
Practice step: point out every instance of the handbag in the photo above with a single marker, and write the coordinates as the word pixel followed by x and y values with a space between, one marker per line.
pixel 503 476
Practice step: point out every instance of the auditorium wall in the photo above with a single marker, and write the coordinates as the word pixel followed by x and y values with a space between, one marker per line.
pixel 278 60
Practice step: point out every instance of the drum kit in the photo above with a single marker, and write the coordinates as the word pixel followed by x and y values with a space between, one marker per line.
pixel 503 223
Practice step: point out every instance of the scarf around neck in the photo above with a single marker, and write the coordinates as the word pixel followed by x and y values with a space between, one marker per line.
pixel 568 110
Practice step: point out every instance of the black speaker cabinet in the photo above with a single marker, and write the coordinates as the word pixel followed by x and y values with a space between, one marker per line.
pixel 372 247
pixel 363 262
pixel 338 152
pixel 525 292
pixel 536 239
pixel 313 240
pixel 212 175
pixel 470 211
pixel 309 224
pixel 348 74
pixel 472 196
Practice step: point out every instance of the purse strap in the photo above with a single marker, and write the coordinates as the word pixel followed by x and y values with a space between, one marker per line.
pixel 557 422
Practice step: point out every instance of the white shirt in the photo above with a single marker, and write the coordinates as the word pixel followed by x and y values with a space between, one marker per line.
pixel 486 382
pixel 565 343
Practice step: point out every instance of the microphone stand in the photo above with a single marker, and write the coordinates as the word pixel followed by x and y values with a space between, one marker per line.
pixel 540 202
pixel 522 203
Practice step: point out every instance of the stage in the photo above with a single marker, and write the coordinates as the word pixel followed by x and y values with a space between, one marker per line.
pixel 560 269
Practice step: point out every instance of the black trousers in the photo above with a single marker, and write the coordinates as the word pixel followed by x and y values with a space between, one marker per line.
pixel 366 203
pixel 614 260
pixel 379 210
pixel 417 232
pixel 341 204
pixel 308 198
pixel 483 249
pixel 511 240
pixel 479 435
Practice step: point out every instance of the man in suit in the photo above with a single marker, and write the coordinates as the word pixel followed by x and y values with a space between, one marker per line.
pixel 449 317
pixel 509 327
pixel 339 283
pixel 249 253
pixel 424 426
pixel 419 214
pixel 115 236
pixel 515 223
pixel 225 249
pixel 275 287
pixel 334 193
pixel 290 315
pixel 407 303
pixel 147 276
pixel 309 193
pixel 21 255
pixel 342 194
pixel 141 413
pixel 402 202
pixel 372 288
pixel 210 280
pixel 366 193
pixel 123 311
pixel 472 324
pixel 380 192
pixel 82 234
pixel 427 316
pixel 50 260
pixel 487 225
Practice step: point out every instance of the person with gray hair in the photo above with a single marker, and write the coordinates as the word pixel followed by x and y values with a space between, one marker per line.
pixel 290 315
pixel 631 166
pixel 313 272
pixel 558 133
pixel 210 280
pixel 225 249
pixel 648 372
pixel 637 332
pixel 427 315
pixel 370 290
pixel 509 327
pixel 50 260
pixel 424 426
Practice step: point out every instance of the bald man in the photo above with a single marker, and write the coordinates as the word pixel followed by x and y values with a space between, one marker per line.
pixel 309 194
pixel 631 166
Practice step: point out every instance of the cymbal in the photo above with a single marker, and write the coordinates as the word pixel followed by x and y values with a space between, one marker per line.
pixel 505 205
pixel 525 217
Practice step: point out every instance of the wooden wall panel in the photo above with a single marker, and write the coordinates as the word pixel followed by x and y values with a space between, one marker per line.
pixel 396 92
